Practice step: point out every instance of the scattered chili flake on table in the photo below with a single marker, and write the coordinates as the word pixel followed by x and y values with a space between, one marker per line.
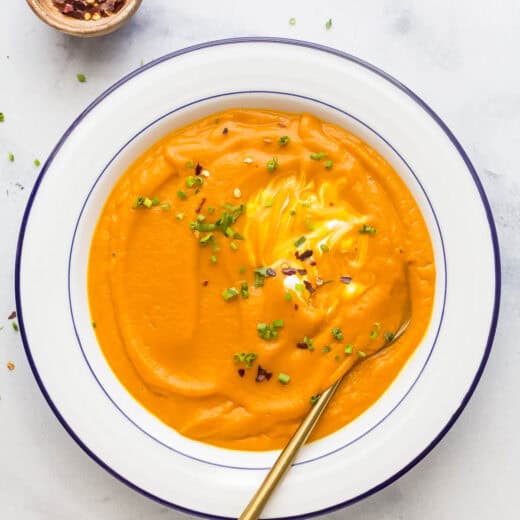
pixel 10 366
pixel 89 10
pixel 12 316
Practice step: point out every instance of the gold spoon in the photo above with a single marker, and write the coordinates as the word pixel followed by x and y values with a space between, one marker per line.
pixel 285 459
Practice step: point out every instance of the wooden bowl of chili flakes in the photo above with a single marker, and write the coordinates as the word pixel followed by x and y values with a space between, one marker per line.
pixel 85 18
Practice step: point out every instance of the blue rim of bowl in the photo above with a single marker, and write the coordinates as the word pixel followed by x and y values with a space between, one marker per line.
pixel 317 102
pixel 395 83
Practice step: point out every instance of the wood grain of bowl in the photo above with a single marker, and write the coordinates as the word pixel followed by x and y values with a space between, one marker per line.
pixel 47 11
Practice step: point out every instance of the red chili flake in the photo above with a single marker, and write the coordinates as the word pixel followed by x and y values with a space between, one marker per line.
pixel 205 283
pixel 262 374
pixel 308 286
pixel 312 262
pixel 270 271
pixel 282 125
pixel 199 207
pixel 303 256
pixel 12 316
pixel 241 372
pixel 302 271
pixel 198 168
pixel 225 131
pixel 345 279
pixel 289 271
pixel 296 307
pixel 302 345
pixel 89 10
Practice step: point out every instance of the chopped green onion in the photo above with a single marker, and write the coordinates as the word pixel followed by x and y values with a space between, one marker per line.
pixel 349 349
pixel 272 164
pixel 284 140
pixel 329 164
pixel 138 202
pixel 211 210
pixel 361 354
pixel 182 195
pixel 2 117
pixel 318 156
pixel 192 181
pixel 326 349
pixel 179 216
pixel 233 246
pixel 367 229
pixel 328 24
pixel 300 241
pixel 37 162
pixel 309 343
pixel 201 218
pixel 250 359
pixel 292 21
pixel 337 358
pixel 374 333
pixel 244 290
pixel 213 259
pixel 389 337
pixel 268 203
pixel 147 203
pixel 284 378
pixel 239 357
pixel 165 206
pixel 288 296
pixel 81 77
pixel 324 248
pixel 14 325
pixel 190 164
pixel 309 225
pixel 299 287
pixel 229 293
pixel 277 324
pixel 242 270
pixel 337 333
pixel 10 155
pixel 155 201
pixel 206 239
pixel 315 398
pixel 267 332
pixel 292 212
pixel 93 323
pixel 247 358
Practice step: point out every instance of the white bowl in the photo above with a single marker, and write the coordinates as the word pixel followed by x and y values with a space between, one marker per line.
pixel 113 428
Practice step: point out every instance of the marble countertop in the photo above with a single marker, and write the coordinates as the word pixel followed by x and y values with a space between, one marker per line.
pixel 461 57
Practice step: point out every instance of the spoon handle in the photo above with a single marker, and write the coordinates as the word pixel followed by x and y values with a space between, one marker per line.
pixel 285 459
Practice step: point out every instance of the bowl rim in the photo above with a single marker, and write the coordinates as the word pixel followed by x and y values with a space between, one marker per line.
pixel 444 128
pixel 82 28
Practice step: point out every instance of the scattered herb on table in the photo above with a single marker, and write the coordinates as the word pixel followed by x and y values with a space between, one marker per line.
pixel 2 117
pixel 328 24
pixel 15 326
pixel 292 21
pixel 37 162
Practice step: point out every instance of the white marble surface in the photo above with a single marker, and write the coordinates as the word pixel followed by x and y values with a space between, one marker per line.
pixel 460 56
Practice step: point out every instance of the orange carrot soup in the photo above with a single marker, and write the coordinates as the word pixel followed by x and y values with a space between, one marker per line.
pixel 246 261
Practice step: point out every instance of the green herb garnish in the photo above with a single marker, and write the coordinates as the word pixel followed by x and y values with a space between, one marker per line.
pixel 272 164
pixel 324 248
pixel 349 349
pixel 309 225
pixel 81 77
pixel 389 337
pixel 318 156
pixel 229 293
pixel 211 210
pixel 374 333
pixel 37 162
pixel 233 246
pixel 315 398
pixel 147 203
pixel 247 358
pixel 10 155
pixel 300 241
pixel 309 343
pixel 14 325
pixel 179 216
pixel 192 181
pixel 292 212
pixel 182 195
pixel 2 117
pixel 284 378
pixel 329 164
pixel 328 24
pixel 242 270
pixel 190 164
pixel 213 259
pixel 361 354
pixel 284 140
pixel 268 203
pixel 326 349
pixel 367 229
pixel 292 21
pixel 244 290
pixel 337 333
pixel 165 206
pixel 288 296
pixel 268 332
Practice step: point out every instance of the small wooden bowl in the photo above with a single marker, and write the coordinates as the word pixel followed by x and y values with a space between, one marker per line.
pixel 50 14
